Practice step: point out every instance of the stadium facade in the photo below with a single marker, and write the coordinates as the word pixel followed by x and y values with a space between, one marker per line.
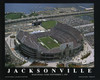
pixel 70 43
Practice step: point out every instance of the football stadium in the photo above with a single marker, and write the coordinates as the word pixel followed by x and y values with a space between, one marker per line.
pixel 58 41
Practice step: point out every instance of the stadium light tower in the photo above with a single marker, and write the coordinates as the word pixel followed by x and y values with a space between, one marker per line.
pixel 14 29
pixel 18 30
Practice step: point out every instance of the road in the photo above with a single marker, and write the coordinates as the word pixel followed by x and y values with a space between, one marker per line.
pixel 92 24
pixel 49 16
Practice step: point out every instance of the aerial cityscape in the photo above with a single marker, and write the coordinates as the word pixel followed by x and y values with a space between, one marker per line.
pixel 49 35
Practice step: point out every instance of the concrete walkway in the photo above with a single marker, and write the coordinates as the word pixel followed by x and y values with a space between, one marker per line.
pixel 52 64
pixel 89 34
pixel 28 63
pixel 10 42
pixel 89 59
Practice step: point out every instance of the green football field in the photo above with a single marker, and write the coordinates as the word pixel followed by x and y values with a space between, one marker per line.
pixel 48 42
pixel 48 24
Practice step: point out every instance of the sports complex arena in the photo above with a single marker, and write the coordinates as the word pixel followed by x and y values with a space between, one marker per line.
pixel 58 42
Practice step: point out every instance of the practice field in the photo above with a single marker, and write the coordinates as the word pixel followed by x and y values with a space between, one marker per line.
pixel 48 42
pixel 48 24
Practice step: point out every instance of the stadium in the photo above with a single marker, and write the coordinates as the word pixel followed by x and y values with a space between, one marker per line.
pixel 58 42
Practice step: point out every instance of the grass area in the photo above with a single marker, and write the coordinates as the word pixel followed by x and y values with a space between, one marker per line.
pixel 92 21
pixel 48 24
pixel 33 14
pixel 85 56
pixel 74 66
pixel 9 65
pixel 14 15
pixel 22 63
pixel 38 64
pixel 12 36
pixel 48 42
pixel 60 65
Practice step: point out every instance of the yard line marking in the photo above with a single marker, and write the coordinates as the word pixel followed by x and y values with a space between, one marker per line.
pixel 53 40
pixel 44 44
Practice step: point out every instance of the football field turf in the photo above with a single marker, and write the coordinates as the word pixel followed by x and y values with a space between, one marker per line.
pixel 48 42
pixel 48 24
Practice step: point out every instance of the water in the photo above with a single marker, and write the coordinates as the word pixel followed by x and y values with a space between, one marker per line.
pixel 30 7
